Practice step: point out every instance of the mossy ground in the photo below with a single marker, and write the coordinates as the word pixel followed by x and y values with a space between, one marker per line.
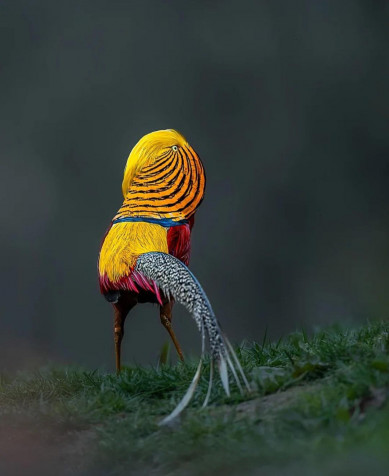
pixel 320 406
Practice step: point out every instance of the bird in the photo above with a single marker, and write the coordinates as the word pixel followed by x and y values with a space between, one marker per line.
pixel 145 252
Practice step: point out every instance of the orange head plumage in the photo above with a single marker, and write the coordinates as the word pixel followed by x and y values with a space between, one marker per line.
pixel 163 178
pixel 147 150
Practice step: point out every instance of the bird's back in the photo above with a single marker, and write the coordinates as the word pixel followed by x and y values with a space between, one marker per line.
pixel 160 199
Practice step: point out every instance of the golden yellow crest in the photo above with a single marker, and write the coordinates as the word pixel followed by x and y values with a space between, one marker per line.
pixel 147 150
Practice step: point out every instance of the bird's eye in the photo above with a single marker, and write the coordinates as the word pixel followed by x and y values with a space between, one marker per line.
pixel 175 147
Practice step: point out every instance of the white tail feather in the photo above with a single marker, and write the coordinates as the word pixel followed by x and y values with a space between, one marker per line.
pixel 224 374
pixel 237 363
pixel 209 384
pixel 230 364
pixel 192 387
pixel 186 398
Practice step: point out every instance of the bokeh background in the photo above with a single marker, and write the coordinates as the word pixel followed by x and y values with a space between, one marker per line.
pixel 287 103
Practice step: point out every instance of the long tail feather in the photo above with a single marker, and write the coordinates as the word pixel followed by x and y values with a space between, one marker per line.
pixel 233 371
pixel 191 389
pixel 186 398
pixel 237 363
pixel 175 280
pixel 223 371
pixel 209 384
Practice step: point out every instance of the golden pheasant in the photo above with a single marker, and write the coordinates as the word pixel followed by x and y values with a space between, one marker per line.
pixel 145 251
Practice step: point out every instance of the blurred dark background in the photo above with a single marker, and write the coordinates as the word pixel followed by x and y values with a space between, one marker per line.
pixel 287 103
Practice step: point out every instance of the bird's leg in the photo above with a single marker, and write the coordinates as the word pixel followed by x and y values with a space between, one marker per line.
pixel 121 309
pixel 118 336
pixel 165 313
